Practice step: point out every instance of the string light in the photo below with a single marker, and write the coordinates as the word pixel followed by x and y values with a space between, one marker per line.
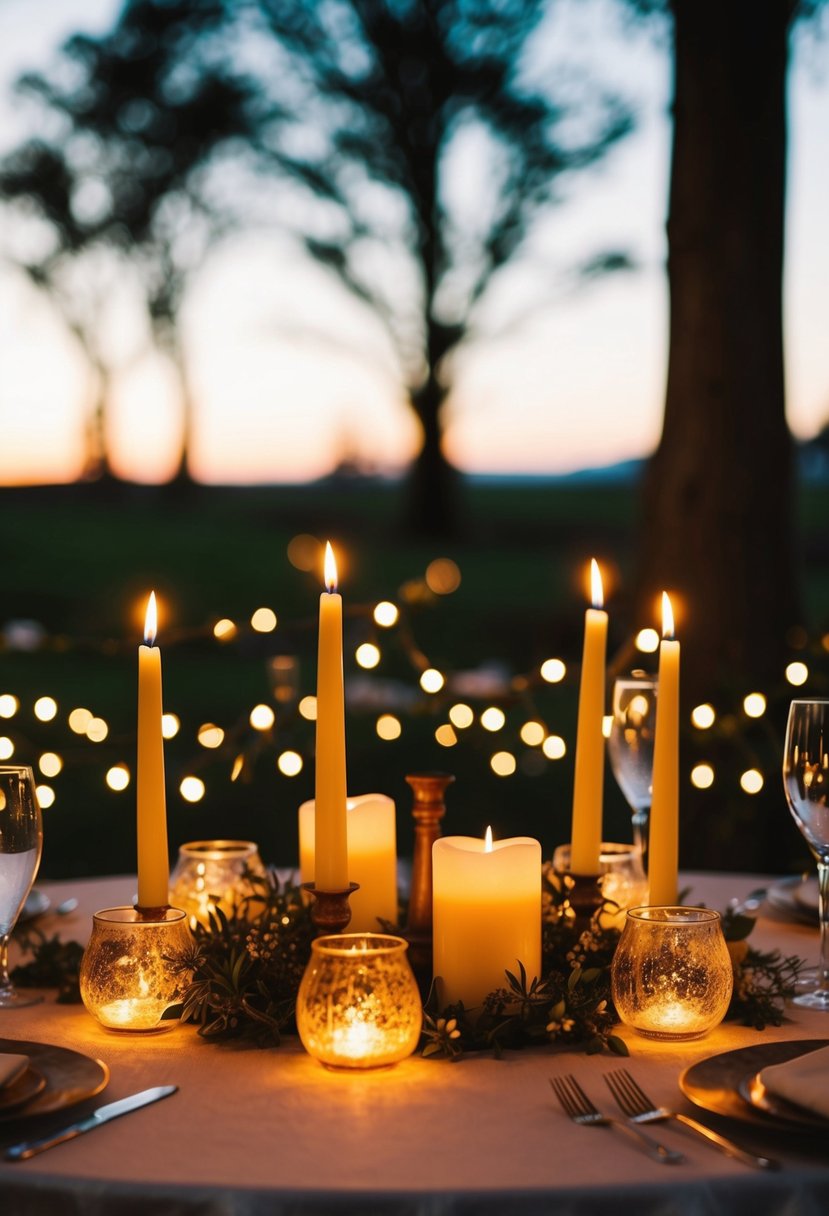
pixel 9 705
pixel 493 718
pixel 754 705
pixel 97 730
pixel 262 717
pixel 443 576
pixel 211 736
pixel 386 614
pixel 308 708
pixel 224 630
pixel 118 777
pixel 461 715
pixel 45 796
pixel 554 747
pixel 79 719
pixel 170 725
pixel 446 736
pixel 192 789
pixel 553 671
pixel 647 640
pixel 367 655
pixel 50 764
pixel 263 620
pixel 503 764
pixel 6 748
pixel 532 733
pixel 703 716
pixel 607 725
pixel 702 776
pixel 289 763
pixel 431 681
pixel 45 708
pixel 752 781
pixel 388 727
pixel 797 673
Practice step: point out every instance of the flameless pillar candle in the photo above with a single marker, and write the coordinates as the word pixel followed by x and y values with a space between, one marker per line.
pixel 586 832
pixel 664 829
pixel 330 829
pixel 486 913
pixel 372 858
pixel 153 862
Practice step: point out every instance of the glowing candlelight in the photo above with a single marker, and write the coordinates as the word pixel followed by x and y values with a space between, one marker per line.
pixel 330 822
pixel 664 829
pixel 151 806
pixel 586 833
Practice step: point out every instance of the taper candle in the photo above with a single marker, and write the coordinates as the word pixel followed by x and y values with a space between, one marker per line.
pixel 663 848
pixel 151 804
pixel 330 824
pixel 588 788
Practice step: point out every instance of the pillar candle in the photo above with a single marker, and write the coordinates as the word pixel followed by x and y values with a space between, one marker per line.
pixel 330 849
pixel 372 858
pixel 586 833
pixel 663 849
pixel 486 913
pixel 153 860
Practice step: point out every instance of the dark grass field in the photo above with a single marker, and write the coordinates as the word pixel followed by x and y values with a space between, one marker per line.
pixel 80 562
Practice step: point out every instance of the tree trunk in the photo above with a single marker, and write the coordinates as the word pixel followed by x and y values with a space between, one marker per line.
pixel 718 493
pixel 432 490
pixel 97 466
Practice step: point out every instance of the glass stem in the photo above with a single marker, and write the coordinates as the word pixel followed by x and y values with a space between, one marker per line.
pixel 5 982
pixel 823 889
pixel 641 819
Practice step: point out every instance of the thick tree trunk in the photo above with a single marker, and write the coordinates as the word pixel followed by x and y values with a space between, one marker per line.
pixel 432 489
pixel 718 494
pixel 97 466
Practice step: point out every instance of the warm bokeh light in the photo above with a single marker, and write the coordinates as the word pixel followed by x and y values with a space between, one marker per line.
pixel 554 747
pixel 702 776
pixel 367 655
pixel 224 630
pixel 308 708
pixel 752 781
pixel 9 705
pixel 263 620
pixel 50 764
pixel 503 764
pixel 45 796
pixel 6 748
pixel 797 673
pixel 446 736
pixel 386 614
pixel 304 552
pixel 493 718
pixel 211 735
pixel 533 734
pixel 389 727
pixel 754 705
pixel 461 715
pixel 289 763
pixel 191 789
pixel 170 725
pixel 607 725
pixel 647 640
pixel 97 730
pixel 262 717
pixel 443 576
pixel 79 719
pixel 553 671
pixel 118 777
pixel 238 765
pixel 45 708
pixel 703 716
pixel 431 680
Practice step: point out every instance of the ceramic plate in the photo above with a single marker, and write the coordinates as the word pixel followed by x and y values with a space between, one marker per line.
pixel 27 1086
pixel 36 904
pixel 715 1084
pixel 784 896
pixel 807 897
pixel 69 1077
pixel 755 1092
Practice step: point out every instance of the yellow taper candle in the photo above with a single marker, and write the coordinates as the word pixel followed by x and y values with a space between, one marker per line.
pixel 588 789
pixel 372 859
pixel 486 914
pixel 153 860
pixel 663 849
pixel 330 828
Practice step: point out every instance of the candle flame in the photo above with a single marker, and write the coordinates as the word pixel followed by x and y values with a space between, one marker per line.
pixel 330 568
pixel 667 617
pixel 151 621
pixel 488 841
pixel 596 588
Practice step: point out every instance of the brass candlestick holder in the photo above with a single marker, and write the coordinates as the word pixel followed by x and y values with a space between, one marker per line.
pixel 584 897
pixel 330 911
pixel 428 810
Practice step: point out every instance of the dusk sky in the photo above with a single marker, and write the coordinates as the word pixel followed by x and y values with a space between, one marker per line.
pixel 578 383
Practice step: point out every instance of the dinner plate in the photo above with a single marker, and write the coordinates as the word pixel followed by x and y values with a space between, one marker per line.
pixel 785 896
pixel 807 897
pixel 70 1077
pixel 755 1092
pixel 715 1083
pixel 36 904
pixel 27 1086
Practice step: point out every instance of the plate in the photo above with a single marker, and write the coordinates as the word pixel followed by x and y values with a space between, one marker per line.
pixel 36 904
pixel 27 1086
pixel 784 896
pixel 807 898
pixel 755 1092
pixel 714 1084
pixel 69 1077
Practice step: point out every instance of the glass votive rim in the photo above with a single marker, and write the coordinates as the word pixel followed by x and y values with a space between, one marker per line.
pixel 129 914
pixel 332 945
pixel 218 850
pixel 674 915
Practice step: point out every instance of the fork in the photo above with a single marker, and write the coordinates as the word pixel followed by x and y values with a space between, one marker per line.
pixel 637 1107
pixel 578 1107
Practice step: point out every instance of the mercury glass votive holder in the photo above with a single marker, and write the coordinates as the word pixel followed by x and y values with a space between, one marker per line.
pixel 131 971
pixel 624 883
pixel 210 872
pixel 671 976
pixel 358 1004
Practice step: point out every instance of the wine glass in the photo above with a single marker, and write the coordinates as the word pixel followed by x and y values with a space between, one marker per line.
pixel 806 782
pixel 630 747
pixel 21 838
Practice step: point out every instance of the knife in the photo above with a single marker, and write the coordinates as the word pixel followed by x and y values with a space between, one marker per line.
pixel 29 1148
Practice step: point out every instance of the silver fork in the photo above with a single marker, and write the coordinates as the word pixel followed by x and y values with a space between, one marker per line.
pixel 578 1107
pixel 637 1106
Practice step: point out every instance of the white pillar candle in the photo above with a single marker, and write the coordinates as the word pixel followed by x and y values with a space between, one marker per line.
pixel 151 805
pixel 331 858
pixel 588 787
pixel 663 848
pixel 486 914
pixel 372 858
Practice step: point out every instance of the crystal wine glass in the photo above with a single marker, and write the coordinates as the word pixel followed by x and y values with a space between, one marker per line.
pixel 21 838
pixel 630 746
pixel 806 782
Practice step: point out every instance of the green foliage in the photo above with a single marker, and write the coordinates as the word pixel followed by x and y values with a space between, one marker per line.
pixel 54 964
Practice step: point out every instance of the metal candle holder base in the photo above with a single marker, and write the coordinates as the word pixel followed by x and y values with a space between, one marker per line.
pixel 428 810
pixel 584 896
pixel 330 911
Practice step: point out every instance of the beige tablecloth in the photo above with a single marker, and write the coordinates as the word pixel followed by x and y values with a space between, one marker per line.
pixel 254 1132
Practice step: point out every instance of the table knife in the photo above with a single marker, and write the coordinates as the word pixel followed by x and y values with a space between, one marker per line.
pixel 29 1148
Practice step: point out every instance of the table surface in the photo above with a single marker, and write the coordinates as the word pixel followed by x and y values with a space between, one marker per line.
pixel 272 1131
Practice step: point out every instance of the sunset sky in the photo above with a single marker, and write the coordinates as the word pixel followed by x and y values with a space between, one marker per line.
pixel 579 383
